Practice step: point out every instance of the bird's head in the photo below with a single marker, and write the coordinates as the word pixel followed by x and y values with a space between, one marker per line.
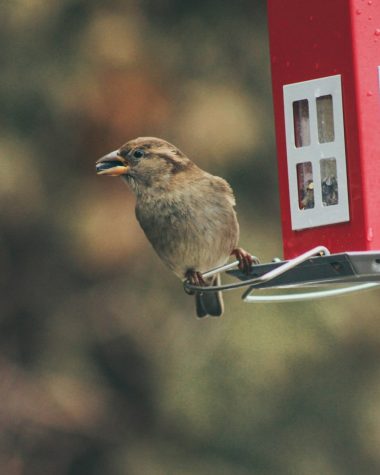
pixel 144 162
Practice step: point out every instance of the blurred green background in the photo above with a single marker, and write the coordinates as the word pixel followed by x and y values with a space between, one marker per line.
pixel 104 368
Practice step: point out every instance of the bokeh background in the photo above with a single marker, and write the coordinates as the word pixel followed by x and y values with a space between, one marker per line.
pixel 104 368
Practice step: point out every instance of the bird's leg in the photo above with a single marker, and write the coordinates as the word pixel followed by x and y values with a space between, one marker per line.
pixel 195 278
pixel 245 259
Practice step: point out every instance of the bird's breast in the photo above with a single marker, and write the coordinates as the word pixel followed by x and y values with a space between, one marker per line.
pixel 188 232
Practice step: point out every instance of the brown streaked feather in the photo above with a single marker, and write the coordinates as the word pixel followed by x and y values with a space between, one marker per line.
pixel 177 165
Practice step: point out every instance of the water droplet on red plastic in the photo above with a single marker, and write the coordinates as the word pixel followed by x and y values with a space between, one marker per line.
pixel 311 18
pixel 369 93
pixel 316 65
pixel 370 18
pixel 287 64
pixel 370 2
pixel 377 32
pixel 358 12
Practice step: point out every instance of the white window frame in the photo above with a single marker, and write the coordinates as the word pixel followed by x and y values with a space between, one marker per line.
pixel 320 214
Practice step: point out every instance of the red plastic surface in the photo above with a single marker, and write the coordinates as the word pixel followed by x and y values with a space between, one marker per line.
pixel 318 38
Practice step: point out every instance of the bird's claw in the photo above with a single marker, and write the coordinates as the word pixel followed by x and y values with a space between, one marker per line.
pixel 194 278
pixel 245 259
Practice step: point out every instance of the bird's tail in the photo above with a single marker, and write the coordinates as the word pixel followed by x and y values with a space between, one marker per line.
pixel 210 303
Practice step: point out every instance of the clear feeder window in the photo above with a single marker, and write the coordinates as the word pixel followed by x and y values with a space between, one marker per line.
pixel 305 185
pixel 301 123
pixel 329 182
pixel 316 156
pixel 325 119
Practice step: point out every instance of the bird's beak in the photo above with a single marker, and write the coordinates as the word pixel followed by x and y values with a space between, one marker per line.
pixel 111 164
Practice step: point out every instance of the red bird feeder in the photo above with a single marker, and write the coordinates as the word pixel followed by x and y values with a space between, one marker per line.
pixel 325 59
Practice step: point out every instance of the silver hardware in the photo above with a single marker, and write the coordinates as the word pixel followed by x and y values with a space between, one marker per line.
pixel 317 267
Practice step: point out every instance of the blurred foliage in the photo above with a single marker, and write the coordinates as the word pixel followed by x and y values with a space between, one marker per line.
pixel 104 368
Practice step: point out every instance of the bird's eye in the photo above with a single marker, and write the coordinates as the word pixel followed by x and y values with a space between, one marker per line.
pixel 138 153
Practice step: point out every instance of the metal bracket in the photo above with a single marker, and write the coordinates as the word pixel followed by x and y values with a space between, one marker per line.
pixel 316 267
pixel 298 297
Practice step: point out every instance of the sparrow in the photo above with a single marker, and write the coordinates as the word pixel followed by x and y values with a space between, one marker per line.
pixel 186 213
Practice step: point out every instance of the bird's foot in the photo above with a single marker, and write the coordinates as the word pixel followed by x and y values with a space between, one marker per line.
pixel 194 278
pixel 245 259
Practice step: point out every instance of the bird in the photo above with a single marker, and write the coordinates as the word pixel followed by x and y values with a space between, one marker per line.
pixel 186 213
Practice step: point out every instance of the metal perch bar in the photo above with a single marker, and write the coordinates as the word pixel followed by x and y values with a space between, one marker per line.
pixel 298 297
pixel 315 267
pixel 256 280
